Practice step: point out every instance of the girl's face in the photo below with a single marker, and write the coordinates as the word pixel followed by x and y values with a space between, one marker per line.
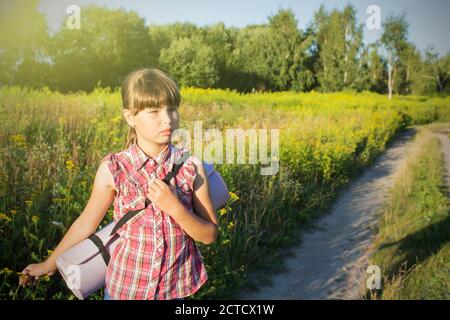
pixel 155 124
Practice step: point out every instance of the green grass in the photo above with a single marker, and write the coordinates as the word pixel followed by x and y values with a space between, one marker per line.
pixel 413 244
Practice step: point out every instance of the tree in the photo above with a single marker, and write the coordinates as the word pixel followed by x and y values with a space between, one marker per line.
pixel 161 36
pixel 442 73
pixel 377 70
pixel 222 41
pixel 191 62
pixel 110 44
pixel 249 58
pixel 287 47
pixel 338 39
pixel 432 75
pixel 394 41
pixel 274 56
pixel 23 44
pixel 410 65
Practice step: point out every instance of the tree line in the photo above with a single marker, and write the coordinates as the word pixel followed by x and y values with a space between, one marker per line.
pixel 328 55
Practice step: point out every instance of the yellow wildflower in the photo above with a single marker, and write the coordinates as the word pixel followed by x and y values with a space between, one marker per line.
pixel 230 225
pixel 70 165
pixel 56 200
pixel 4 217
pixel 222 211
pixel 233 196
pixel 35 219
pixel 19 139
pixel 28 202
pixel 7 271
pixel 13 212
pixel 116 119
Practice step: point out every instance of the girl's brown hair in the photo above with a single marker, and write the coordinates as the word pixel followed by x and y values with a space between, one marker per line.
pixel 147 88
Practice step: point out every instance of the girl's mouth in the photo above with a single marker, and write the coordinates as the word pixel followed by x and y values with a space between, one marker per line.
pixel 166 132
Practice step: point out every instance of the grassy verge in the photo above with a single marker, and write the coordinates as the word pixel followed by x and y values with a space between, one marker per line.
pixel 412 247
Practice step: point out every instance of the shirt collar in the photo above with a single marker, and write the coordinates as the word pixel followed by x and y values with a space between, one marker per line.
pixel 140 158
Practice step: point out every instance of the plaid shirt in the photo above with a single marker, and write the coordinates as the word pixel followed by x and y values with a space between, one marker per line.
pixel 154 257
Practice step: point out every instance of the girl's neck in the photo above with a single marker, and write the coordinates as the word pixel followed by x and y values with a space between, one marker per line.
pixel 151 149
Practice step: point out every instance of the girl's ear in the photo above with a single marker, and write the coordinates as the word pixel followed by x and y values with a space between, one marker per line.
pixel 128 117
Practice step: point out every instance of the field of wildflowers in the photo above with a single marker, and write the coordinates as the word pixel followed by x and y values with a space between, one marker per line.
pixel 51 145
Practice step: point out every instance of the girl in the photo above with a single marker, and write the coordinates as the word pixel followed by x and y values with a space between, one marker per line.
pixel 156 256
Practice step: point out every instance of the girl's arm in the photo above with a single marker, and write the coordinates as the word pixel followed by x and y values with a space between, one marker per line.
pixel 201 226
pixel 202 197
pixel 86 224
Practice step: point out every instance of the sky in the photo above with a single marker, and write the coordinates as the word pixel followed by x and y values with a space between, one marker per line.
pixel 429 21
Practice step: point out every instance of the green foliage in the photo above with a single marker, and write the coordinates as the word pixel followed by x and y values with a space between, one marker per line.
pixel 108 45
pixel 339 43
pixel 286 53
pixel 328 55
pixel 190 62
pixel 24 38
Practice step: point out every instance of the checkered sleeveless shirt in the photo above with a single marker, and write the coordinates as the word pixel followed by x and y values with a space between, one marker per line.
pixel 154 258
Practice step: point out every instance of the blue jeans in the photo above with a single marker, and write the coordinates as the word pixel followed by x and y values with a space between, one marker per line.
pixel 108 297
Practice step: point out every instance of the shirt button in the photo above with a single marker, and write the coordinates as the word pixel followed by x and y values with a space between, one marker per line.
pixel 159 249
pixel 158 231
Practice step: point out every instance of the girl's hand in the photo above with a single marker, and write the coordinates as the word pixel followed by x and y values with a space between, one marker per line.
pixel 33 272
pixel 162 195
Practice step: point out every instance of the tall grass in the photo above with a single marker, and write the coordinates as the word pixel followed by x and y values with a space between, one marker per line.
pixel 412 247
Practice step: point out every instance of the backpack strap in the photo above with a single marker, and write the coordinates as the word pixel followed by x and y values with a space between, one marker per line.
pixel 99 243
pixel 176 167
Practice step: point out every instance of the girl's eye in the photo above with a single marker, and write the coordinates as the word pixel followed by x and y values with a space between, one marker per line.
pixel 174 109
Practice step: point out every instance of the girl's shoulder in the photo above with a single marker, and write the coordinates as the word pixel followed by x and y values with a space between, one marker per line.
pixel 124 156
pixel 118 163
pixel 112 160
pixel 114 157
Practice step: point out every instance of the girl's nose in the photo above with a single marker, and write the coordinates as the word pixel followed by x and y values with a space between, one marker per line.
pixel 166 116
